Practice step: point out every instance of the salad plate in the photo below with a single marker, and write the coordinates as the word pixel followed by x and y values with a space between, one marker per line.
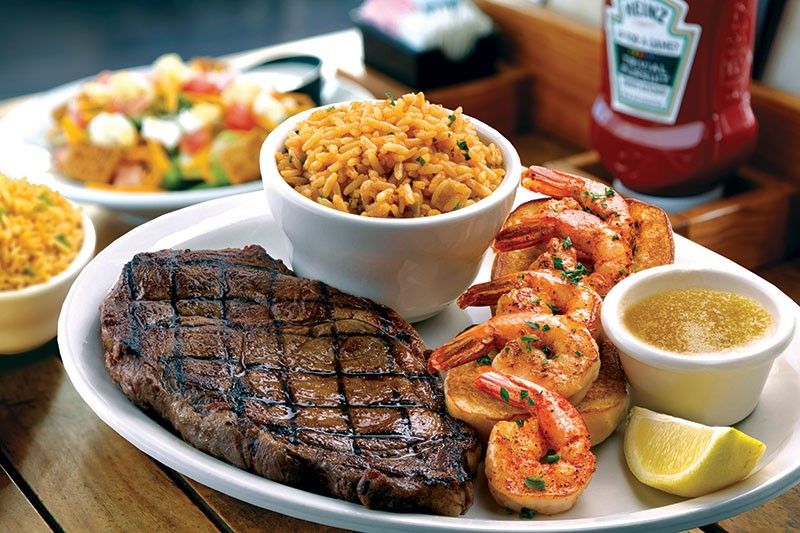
pixel 25 151
pixel 614 500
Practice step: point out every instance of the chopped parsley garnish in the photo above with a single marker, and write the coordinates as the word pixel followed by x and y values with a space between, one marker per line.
pixel 457 206
pixel 462 145
pixel 534 325
pixel 609 192
pixel 523 394
pixel 554 308
pixel 484 360
pixel 526 513
pixel 579 353
pixel 545 328
pixel 63 240
pixel 504 394
pixel 451 119
pixel 621 271
pixel 547 351
pixel 528 341
pixel 575 275
pixel 558 263
pixel 550 457
pixel 520 422
pixel 615 238
pixel 391 98
pixel 421 161
pixel 566 243
pixel 531 402
pixel 535 483
pixel 596 196
pixel 28 271
pixel 331 108
pixel 519 276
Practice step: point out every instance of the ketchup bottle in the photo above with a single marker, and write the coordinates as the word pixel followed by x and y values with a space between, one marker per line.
pixel 673 117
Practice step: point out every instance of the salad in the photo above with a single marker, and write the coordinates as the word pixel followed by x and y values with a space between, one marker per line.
pixel 174 127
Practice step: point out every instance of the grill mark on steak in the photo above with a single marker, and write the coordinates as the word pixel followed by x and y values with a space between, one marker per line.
pixel 288 378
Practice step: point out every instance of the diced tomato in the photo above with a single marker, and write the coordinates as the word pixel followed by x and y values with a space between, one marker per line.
pixel 129 175
pixel 211 82
pixel 193 142
pixel 238 116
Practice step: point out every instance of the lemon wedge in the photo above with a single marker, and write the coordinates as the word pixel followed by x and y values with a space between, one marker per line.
pixel 686 458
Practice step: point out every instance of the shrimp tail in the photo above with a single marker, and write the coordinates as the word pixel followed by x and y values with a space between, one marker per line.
pixel 475 342
pixel 489 292
pixel 528 232
pixel 548 181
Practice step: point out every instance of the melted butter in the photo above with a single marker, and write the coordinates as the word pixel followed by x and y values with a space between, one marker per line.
pixel 694 320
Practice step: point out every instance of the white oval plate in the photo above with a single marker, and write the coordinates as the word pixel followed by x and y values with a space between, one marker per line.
pixel 24 151
pixel 614 500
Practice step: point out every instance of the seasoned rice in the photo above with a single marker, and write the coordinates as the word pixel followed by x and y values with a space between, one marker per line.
pixel 40 233
pixel 390 158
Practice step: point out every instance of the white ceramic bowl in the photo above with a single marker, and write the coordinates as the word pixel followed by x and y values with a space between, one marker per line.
pixel 717 389
pixel 29 316
pixel 416 266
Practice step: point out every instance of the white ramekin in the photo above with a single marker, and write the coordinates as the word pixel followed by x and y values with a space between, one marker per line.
pixel 416 266
pixel 29 316
pixel 717 389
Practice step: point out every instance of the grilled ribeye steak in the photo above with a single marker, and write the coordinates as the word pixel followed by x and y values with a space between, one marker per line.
pixel 288 378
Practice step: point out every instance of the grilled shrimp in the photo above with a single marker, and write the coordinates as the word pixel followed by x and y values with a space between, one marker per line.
pixel 537 290
pixel 609 254
pixel 543 463
pixel 553 351
pixel 593 196
pixel 556 254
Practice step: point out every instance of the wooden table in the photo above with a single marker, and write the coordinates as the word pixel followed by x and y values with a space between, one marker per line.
pixel 61 468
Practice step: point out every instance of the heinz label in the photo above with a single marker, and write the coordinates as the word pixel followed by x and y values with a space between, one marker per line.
pixel 650 53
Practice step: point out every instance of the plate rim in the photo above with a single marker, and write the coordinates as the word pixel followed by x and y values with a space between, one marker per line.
pixel 283 499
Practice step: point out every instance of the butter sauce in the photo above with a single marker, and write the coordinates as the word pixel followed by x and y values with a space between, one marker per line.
pixel 697 320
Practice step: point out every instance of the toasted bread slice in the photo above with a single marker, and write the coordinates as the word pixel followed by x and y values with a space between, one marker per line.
pixel 467 403
pixel 653 243
pixel 606 403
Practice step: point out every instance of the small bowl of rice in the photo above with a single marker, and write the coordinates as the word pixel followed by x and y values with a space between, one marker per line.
pixel 45 241
pixel 396 200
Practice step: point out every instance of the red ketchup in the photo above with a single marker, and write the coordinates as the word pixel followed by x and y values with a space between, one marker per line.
pixel 673 117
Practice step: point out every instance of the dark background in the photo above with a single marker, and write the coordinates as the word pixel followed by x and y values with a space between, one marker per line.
pixel 46 43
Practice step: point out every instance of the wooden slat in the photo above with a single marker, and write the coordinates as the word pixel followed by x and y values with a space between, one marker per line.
pixel 786 276
pixel 779 132
pixel 536 148
pixel 86 476
pixel 781 514
pixel 243 517
pixel 16 512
